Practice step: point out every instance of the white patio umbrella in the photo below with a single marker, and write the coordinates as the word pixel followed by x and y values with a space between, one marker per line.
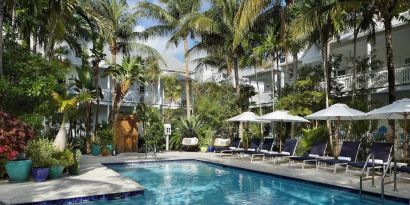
pixel 337 112
pixel 245 117
pixel 282 116
pixel 398 110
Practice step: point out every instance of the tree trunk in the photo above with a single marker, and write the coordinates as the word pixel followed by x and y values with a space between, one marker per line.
pixel 96 79
pixel 1 36
pixel 237 85
pixel 390 70
pixel 355 33
pixel 272 76
pixel 60 141
pixel 259 96
pixel 324 40
pixel 295 67
pixel 187 78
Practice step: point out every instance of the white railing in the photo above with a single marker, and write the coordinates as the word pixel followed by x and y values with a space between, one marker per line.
pixel 264 99
pixel 130 97
pixel 375 79
pixel 151 98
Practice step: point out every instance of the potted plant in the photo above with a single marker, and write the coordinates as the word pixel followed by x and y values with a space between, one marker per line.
pixel 206 140
pixel 14 136
pixel 59 161
pixel 106 136
pixel 95 147
pixel 40 151
pixel 74 169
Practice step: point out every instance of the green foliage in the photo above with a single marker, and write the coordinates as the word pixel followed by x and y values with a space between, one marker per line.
pixel 175 140
pixel 215 103
pixel 172 88
pixel 206 137
pixel 29 79
pixel 312 135
pixel 41 152
pixel 153 128
pixel 64 158
pixel 190 127
pixel 106 136
pixel 304 96
pixel 247 91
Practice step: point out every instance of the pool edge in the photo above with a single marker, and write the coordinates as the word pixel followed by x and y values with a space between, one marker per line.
pixel 336 187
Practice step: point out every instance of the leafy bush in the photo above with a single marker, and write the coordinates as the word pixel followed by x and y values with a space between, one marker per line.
pixel 312 135
pixel 14 136
pixel 153 129
pixel 64 158
pixel 190 127
pixel 41 152
pixel 105 136
pixel 206 137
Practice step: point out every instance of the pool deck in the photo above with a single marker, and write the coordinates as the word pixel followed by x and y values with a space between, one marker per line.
pixel 96 179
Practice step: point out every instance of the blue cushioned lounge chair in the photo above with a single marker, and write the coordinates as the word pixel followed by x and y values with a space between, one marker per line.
pixel 289 149
pixel 235 145
pixel 317 150
pixel 266 147
pixel 348 153
pixel 381 153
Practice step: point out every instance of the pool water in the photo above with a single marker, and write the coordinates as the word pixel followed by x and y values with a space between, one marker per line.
pixel 194 182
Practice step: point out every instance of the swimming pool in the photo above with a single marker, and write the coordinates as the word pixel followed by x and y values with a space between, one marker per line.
pixel 195 182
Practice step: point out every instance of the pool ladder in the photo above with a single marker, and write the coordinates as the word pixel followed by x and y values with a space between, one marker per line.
pixel 372 177
pixel 153 150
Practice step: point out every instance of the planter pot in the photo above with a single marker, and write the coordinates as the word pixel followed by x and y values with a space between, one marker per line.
pixel 55 172
pixel 105 152
pixel 95 150
pixel 74 169
pixel 39 174
pixel 18 170
pixel 204 149
pixel 211 148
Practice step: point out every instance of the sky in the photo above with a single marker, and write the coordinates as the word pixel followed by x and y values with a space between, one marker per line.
pixel 160 43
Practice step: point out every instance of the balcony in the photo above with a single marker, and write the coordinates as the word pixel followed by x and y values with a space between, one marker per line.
pixel 375 79
pixel 264 99
pixel 132 97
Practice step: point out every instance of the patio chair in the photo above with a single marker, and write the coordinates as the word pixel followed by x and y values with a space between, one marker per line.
pixel 381 153
pixel 235 145
pixel 317 150
pixel 254 146
pixel 189 143
pixel 348 153
pixel 402 170
pixel 266 147
pixel 289 149
pixel 221 144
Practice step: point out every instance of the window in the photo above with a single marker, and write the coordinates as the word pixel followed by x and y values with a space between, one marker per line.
pixel 142 89
pixel 407 61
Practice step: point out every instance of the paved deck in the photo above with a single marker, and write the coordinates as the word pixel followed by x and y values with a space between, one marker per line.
pixel 96 179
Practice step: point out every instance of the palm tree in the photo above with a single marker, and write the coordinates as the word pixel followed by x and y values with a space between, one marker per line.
pixel 65 104
pixel 171 88
pixel 130 71
pixel 170 15
pixel 1 36
pixel 84 83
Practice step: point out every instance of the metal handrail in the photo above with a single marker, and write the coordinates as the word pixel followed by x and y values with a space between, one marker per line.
pixel 364 169
pixel 384 176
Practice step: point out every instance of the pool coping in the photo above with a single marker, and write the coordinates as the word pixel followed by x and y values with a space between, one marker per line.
pixel 336 187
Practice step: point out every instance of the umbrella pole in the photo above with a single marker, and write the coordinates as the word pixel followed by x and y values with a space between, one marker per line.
pixel 337 138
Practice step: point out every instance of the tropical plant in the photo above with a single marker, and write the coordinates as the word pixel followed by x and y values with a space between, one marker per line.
pixel 311 135
pixel 106 136
pixel 130 71
pixel 65 104
pixel 206 138
pixel 153 129
pixel 41 151
pixel 171 16
pixel 189 128
pixel 172 88
pixel 64 158
pixel 14 136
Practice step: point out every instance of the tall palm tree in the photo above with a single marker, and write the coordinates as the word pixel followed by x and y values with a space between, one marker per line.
pixel 170 14
pixel 1 36
pixel 130 71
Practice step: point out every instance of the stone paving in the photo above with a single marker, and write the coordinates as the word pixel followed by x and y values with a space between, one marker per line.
pixel 96 179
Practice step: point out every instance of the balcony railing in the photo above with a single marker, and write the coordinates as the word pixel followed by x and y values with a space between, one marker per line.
pixel 375 79
pixel 137 97
pixel 263 99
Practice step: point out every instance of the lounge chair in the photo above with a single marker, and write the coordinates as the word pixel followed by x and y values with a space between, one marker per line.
pixel 403 169
pixel 235 145
pixel 254 146
pixel 289 149
pixel 221 143
pixel 348 153
pixel 189 143
pixel 317 150
pixel 381 153
pixel 266 147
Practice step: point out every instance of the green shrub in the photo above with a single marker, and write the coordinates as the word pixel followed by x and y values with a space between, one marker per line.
pixel 105 136
pixel 64 158
pixel 206 137
pixel 311 135
pixel 41 152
